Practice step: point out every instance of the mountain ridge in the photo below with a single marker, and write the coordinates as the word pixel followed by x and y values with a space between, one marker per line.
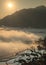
pixel 32 17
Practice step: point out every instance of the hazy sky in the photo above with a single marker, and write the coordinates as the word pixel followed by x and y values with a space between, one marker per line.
pixel 18 4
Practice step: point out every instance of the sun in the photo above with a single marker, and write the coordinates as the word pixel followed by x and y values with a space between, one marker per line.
pixel 10 5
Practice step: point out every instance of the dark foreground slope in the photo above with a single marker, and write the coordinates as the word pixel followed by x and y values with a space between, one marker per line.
pixel 33 56
pixel 32 17
pixel 28 57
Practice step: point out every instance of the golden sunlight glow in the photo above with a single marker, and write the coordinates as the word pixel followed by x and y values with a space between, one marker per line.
pixel 10 5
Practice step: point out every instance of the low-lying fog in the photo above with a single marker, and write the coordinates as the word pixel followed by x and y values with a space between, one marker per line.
pixel 15 40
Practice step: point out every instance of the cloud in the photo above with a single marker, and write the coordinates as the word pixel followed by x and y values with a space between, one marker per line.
pixel 16 35
pixel 14 41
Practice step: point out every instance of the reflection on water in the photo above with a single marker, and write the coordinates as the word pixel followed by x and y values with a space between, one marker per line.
pixel 14 40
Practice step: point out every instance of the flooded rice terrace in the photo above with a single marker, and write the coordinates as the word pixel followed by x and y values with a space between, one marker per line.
pixel 15 40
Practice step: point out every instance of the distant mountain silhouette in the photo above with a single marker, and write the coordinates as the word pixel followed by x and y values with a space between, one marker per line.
pixel 32 17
